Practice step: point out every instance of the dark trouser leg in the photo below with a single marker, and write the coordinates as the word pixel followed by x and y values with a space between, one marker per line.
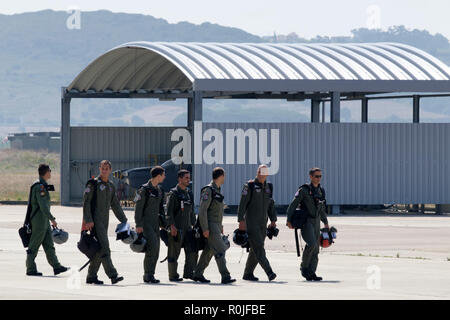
pixel 49 248
pixel 315 254
pixel 218 249
pixel 222 265
pixel 93 267
pixel 314 259
pixel 190 262
pixel 103 256
pixel 251 262
pixel 152 253
pixel 257 255
pixel 310 235
pixel 204 260
pixel 110 271
pixel 173 252
pixel 37 237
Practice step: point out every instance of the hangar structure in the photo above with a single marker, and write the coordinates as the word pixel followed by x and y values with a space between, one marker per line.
pixel 363 163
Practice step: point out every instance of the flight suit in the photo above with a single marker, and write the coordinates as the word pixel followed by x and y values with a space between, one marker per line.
pixel 180 212
pixel 40 226
pixel 256 207
pixel 148 211
pixel 211 217
pixel 106 199
pixel 313 201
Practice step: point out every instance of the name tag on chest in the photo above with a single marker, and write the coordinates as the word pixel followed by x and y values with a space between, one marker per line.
pixel 185 203
pixel 218 197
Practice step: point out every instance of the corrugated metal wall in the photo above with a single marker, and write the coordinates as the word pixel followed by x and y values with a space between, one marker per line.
pixel 126 147
pixel 363 163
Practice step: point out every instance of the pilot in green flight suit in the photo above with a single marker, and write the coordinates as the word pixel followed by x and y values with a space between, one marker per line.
pixel 96 217
pixel 255 208
pixel 211 217
pixel 41 230
pixel 149 211
pixel 312 198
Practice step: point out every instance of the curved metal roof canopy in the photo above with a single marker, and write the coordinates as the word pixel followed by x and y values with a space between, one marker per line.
pixel 250 67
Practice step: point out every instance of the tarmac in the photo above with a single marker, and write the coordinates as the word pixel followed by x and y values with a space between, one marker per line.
pixel 375 256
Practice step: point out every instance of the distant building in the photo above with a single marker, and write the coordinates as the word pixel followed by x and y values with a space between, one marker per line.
pixel 48 141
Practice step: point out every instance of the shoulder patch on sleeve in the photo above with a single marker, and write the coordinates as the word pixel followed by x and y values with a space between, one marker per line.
pixel 297 193
pixel 245 190
pixel 205 195
pixel 138 196
pixel 42 190
pixel 88 189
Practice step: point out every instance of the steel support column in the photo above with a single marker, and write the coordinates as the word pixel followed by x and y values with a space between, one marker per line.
pixel 416 109
pixel 323 111
pixel 335 116
pixel 65 149
pixel 335 110
pixel 364 110
pixel 416 119
pixel 190 114
pixel 315 110
pixel 195 116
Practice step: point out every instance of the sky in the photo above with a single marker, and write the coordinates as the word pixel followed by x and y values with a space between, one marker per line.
pixel 262 17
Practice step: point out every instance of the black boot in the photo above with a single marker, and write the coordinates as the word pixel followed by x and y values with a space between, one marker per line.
pixel 306 274
pixel 227 280
pixel 116 279
pixel 34 273
pixel 250 277
pixel 94 281
pixel 150 279
pixel 189 277
pixel 176 279
pixel 201 279
pixel 59 270
pixel 315 277
pixel 272 276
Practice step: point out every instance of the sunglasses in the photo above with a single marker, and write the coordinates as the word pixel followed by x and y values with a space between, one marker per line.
pixel 317 176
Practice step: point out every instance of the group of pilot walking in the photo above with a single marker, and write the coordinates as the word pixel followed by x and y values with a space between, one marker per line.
pixel 255 209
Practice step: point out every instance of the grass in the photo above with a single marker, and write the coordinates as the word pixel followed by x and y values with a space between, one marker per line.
pixel 18 170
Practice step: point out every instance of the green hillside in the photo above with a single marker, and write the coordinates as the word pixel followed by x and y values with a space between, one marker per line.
pixel 39 54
